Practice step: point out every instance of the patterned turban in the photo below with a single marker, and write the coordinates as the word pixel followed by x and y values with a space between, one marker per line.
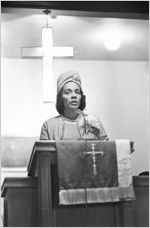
pixel 70 76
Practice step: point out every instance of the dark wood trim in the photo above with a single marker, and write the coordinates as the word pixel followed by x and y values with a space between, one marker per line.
pixel 135 9
pixel 18 182
pixel 45 193
pixel 140 181
pixel 46 146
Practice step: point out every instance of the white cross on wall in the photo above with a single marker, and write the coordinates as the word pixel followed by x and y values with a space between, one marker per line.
pixel 94 153
pixel 47 52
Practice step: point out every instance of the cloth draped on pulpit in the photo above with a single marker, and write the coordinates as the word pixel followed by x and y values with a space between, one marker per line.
pixel 92 171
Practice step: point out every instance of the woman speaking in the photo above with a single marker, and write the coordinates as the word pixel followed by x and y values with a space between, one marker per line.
pixel 72 122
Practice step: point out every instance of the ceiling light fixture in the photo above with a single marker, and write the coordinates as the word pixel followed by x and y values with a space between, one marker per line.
pixel 112 42
pixel 112 36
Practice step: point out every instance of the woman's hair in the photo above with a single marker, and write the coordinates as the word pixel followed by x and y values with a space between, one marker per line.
pixel 60 102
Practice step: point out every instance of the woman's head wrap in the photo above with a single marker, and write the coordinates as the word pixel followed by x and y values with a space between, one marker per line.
pixel 70 76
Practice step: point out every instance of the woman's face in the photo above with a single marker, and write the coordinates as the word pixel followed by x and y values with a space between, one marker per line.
pixel 71 95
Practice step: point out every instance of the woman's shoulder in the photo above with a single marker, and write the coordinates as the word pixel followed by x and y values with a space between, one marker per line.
pixel 97 126
pixel 51 120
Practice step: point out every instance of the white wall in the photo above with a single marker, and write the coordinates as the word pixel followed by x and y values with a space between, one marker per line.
pixel 116 91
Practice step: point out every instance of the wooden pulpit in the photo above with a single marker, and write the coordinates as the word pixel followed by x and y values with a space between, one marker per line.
pixel 33 201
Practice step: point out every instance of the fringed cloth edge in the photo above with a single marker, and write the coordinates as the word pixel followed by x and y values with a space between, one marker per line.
pixel 96 195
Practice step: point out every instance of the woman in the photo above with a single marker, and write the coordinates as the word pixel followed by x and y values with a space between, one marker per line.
pixel 72 123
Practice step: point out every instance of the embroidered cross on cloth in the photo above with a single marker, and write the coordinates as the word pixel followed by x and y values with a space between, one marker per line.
pixel 92 171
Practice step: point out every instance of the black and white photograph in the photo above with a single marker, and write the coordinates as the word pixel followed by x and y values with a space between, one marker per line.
pixel 75 114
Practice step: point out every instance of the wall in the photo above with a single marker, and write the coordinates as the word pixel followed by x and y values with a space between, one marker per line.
pixel 116 91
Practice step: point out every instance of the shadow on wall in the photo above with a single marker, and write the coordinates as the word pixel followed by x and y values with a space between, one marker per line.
pixel 16 151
